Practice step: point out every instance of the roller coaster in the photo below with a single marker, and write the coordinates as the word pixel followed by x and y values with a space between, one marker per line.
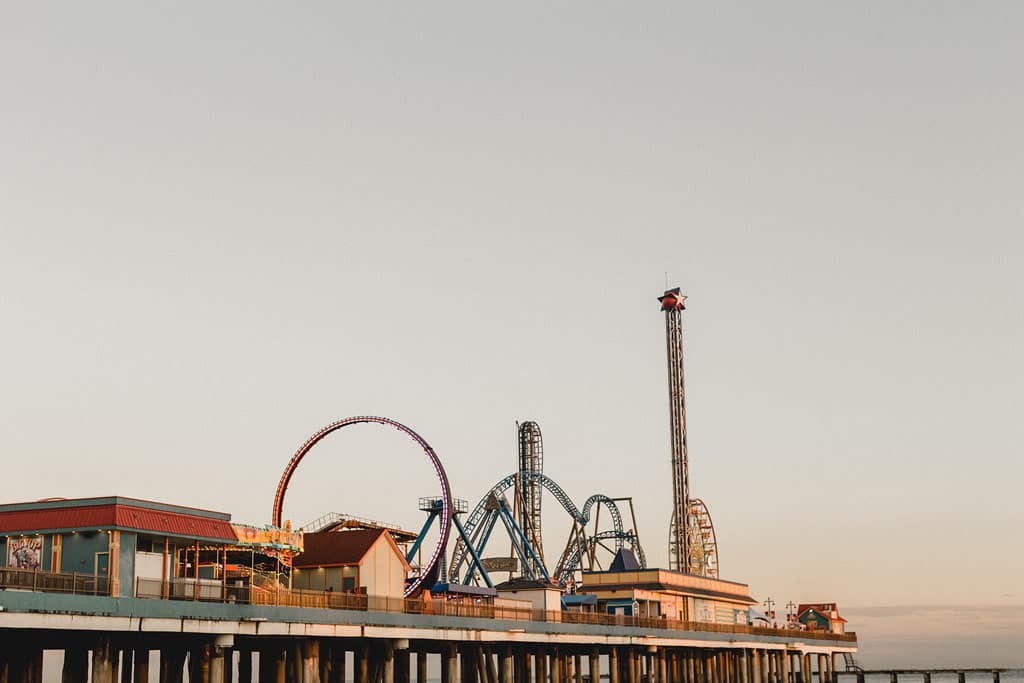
pixel 581 550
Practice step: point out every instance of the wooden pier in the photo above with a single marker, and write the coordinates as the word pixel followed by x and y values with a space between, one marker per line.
pixel 925 674
pixel 108 640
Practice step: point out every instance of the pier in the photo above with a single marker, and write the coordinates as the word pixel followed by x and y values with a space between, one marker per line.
pixel 121 639
pixel 925 675
pixel 125 588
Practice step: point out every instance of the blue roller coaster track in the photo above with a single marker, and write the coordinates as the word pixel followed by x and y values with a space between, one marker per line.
pixel 482 520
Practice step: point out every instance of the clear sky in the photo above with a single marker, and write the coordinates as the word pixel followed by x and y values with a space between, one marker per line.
pixel 224 226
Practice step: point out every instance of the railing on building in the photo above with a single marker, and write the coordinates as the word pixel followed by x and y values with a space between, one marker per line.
pixel 53 582
pixel 186 589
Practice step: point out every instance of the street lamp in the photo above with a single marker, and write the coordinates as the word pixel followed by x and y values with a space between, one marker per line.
pixel 790 611
pixel 768 604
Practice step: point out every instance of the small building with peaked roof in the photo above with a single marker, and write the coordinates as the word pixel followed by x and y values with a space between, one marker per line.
pixel 820 616
pixel 366 561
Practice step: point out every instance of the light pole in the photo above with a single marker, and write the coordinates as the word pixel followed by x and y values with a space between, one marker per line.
pixel 790 611
pixel 768 604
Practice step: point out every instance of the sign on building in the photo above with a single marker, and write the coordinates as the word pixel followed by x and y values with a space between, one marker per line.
pixel 500 564
pixel 25 553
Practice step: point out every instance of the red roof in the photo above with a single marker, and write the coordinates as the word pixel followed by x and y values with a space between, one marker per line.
pixel 825 609
pixel 337 548
pixel 117 516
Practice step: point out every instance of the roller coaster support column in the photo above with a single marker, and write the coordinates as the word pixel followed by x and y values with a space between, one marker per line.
pixel 510 524
pixel 432 515
pixel 473 554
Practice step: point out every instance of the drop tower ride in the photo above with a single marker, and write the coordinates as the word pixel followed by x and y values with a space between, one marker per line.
pixel 692 546
pixel 673 304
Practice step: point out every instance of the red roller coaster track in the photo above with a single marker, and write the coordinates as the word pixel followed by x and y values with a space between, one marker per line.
pixel 446 494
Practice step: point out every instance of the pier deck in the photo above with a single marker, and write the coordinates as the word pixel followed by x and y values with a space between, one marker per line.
pixel 213 640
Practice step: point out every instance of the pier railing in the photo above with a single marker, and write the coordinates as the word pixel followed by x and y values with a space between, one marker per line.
pixel 53 582
pixel 923 675
pixel 212 591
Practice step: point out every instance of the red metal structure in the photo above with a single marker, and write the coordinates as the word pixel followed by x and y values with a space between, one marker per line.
pixel 446 494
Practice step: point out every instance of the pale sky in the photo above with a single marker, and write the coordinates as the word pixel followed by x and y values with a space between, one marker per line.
pixel 225 226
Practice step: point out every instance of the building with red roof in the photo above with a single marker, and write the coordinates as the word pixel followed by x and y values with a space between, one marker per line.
pixel 113 541
pixel 820 616
pixel 366 561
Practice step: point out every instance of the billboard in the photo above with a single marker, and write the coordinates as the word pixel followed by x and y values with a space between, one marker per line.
pixel 268 537
pixel 500 564
pixel 25 553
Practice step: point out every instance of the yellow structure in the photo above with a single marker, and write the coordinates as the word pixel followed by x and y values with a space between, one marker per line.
pixel 661 593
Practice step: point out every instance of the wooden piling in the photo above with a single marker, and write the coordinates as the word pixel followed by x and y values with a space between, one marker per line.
pixel 76 665
pixel 172 665
pixel 541 668
pixel 102 662
pixel 245 666
pixel 507 665
pixel 450 665
pixel 388 662
pixel 140 674
pixel 492 671
pixel 217 665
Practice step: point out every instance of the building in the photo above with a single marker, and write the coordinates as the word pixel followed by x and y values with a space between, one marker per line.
pixel 820 616
pixel 539 594
pixel 366 561
pixel 661 593
pixel 106 545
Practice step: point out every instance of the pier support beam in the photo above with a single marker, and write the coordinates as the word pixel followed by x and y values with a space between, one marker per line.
pixel 219 663
pixel 507 665
pixel 199 664
pixel 272 664
pixel 140 673
pixel 450 665
pixel 541 666
pixel 102 662
pixel 421 667
pixel 388 662
pixel 245 666
pixel 492 670
pixel 338 668
pixel 76 665
pixel 362 664
pixel 172 665
pixel 401 662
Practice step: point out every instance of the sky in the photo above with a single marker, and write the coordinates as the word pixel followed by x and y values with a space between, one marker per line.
pixel 225 226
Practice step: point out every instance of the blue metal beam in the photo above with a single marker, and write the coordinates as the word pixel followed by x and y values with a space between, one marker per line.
pixel 472 551
pixel 419 539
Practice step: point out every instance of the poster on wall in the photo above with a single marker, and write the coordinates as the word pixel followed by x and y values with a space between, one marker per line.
pixel 705 611
pixel 25 553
